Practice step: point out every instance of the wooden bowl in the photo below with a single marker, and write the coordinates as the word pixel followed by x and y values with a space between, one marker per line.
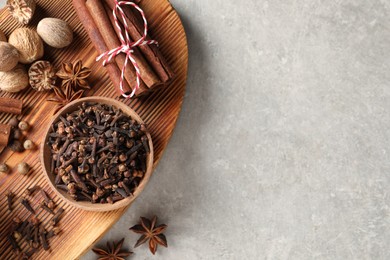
pixel 45 155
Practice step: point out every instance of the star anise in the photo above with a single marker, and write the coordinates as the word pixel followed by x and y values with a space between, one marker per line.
pixel 64 97
pixel 74 76
pixel 113 252
pixel 150 232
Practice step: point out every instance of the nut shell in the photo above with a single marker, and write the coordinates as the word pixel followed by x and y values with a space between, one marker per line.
pixel 22 10
pixel 14 80
pixel 2 37
pixel 55 32
pixel 42 76
pixel 28 43
pixel 9 56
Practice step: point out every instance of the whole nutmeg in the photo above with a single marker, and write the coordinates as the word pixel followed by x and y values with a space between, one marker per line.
pixel 23 168
pixel 9 56
pixel 28 43
pixel 28 145
pixel 2 37
pixel 23 125
pixel 22 10
pixel 55 32
pixel 14 80
pixel 4 168
pixel 42 75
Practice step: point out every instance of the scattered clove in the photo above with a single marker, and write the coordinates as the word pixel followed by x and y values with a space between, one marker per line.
pixel 32 231
pixel 46 208
pixel 42 236
pixel 56 218
pixel 27 205
pixel 10 197
pixel 32 190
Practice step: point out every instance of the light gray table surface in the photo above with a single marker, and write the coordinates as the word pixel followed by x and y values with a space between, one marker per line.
pixel 282 148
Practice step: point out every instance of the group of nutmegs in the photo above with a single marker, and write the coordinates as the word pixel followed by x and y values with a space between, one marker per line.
pixel 98 153
pixel 32 231
pixel 25 46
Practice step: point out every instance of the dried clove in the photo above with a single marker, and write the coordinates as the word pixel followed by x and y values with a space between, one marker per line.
pixel 57 216
pixel 27 205
pixel 54 232
pixel 48 201
pixel 42 236
pixel 46 208
pixel 10 197
pixel 32 190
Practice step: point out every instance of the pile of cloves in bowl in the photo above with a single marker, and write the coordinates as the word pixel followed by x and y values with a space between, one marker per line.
pixel 98 153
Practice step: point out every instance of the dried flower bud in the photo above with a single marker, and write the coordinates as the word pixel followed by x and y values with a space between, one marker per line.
pixel 23 168
pixel 122 157
pixel 4 168
pixel 22 10
pixel 23 125
pixel 122 168
pixel 42 76
pixel 28 145
pixel 129 143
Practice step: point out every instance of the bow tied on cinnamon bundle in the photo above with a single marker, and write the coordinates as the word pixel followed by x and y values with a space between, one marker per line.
pixel 119 32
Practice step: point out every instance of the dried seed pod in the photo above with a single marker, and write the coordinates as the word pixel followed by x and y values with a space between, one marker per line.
pixel 28 43
pixel 22 10
pixel 14 80
pixel 23 125
pixel 9 56
pixel 28 145
pixel 42 76
pixel 2 37
pixel 23 168
pixel 4 168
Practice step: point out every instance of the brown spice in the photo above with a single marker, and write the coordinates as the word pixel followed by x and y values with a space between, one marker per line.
pixel 149 231
pixel 87 146
pixel 113 251
pixel 63 98
pixel 42 76
pixel 22 10
pixel 74 76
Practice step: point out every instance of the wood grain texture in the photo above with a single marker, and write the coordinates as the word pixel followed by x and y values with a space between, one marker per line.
pixel 159 110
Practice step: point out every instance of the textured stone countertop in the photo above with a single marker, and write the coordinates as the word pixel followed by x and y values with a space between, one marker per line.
pixel 282 149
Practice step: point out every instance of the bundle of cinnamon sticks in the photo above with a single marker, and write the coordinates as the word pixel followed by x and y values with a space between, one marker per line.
pixel 98 21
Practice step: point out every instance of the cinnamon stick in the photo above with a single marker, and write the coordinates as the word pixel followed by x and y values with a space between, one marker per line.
pixel 11 105
pixel 97 40
pixel 147 73
pixel 5 132
pixel 102 21
pixel 151 52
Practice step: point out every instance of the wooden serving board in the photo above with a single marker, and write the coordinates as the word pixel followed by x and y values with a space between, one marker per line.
pixel 160 110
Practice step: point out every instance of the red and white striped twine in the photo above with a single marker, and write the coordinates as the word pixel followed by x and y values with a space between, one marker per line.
pixel 127 45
